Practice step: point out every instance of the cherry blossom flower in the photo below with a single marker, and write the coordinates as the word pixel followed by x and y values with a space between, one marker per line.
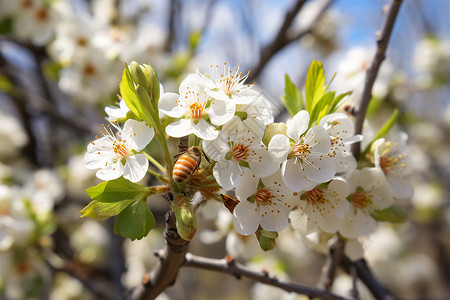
pixel 267 204
pixel 369 191
pixel 118 156
pixel 229 85
pixel 323 207
pixel 341 131
pixel 304 157
pixel 239 142
pixel 392 158
pixel 193 106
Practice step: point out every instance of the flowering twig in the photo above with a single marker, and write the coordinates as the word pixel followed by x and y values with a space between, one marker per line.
pixel 284 36
pixel 171 258
pixel 372 70
pixel 229 266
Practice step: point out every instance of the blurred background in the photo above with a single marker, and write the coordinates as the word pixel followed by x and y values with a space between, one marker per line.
pixel 60 65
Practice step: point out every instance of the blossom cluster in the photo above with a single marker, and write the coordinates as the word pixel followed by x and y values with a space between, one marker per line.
pixel 302 170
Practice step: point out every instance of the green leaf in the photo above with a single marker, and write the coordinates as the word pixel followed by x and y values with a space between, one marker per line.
pixel 385 129
pixel 321 108
pixel 314 85
pixel 135 222
pixel 104 210
pixel 6 26
pixel 393 214
pixel 292 98
pixel 116 190
pixel 336 102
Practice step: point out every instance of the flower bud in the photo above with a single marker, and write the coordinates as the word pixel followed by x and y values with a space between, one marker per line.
pixel 267 239
pixel 187 222
pixel 145 76
pixel 273 129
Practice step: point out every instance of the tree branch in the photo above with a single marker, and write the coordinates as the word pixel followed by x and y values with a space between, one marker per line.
pixel 283 37
pixel 171 258
pixel 372 71
pixel 332 263
pixel 363 272
pixel 229 266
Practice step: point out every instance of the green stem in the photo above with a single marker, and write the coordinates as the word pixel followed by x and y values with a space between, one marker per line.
pixel 155 162
pixel 158 176
pixel 206 186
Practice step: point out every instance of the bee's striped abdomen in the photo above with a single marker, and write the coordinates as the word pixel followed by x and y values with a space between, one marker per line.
pixel 184 167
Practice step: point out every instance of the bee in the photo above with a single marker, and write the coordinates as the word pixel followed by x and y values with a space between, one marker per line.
pixel 187 163
pixel 229 202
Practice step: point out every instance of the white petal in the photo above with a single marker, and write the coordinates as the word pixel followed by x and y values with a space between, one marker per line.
pixel 216 149
pixel 279 147
pixel 139 133
pixel 298 125
pixel 169 104
pixel 263 165
pixel 110 171
pixel 354 250
pixel 319 139
pixel 224 171
pixel 205 131
pixel 338 124
pixel 301 221
pixel 401 187
pixel 293 176
pixel 348 228
pixel 273 221
pixel 364 223
pixel 247 186
pixel 135 168
pixel 256 127
pixel 321 170
pixel 192 83
pixel 180 128
pixel 344 161
pixel 114 113
pixel 220 112
pixel 246 217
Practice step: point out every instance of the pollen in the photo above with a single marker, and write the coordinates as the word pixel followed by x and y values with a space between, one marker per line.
pixel 240 152
pixel 120 148
pixel 361 200
pixel 263 197
pixel 315 196
pixel 196 110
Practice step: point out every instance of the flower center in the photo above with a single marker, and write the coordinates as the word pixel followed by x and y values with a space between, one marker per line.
pixel 27 3
pixel 89 70
pixel 41 14
pixel 240 152
pixel 230 82
pixel 315 196
pixel 120 148
pixel 196 110
pixel 263 197
pixel 360 200
pixel 301 149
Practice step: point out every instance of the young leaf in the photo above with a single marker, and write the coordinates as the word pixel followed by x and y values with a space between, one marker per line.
pixel 135 222
pixel 104 210
pixel 314 85
pixel 393 214
pixel 116 190
pixel 384 130
pixel 292 98
pixel 321 108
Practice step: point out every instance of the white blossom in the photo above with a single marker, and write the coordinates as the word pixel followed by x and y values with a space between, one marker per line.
pixel 369 191
pixel 304 156
pixel 116 156
pixel 239 142
pixel 268 205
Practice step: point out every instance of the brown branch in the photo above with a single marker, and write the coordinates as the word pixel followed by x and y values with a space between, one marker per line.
pixel 364 273
pixel 171 258
pixel 372 72
pixel 332 263
pixel 284 36
pixel 229 266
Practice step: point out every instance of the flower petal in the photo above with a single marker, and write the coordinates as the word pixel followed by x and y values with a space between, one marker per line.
pixel 279 147
pixel 274 220
pixel 226 174
pixel 110 171
pixel 293 176
pixel 169 104
pixel 246 217
pixel 298 125
pixel 135 168
pixel 263 163
pixel 205 131
pixel 247 186
pixel 320 169
pixel 180 128
pixel 139 133
pixel 220 112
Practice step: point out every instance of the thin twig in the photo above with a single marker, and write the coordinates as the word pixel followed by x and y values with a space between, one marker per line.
pixel 332 263
pixel 171 258
pixel 365 274
pixel 229 266
pixel 372 72
pixel 284 36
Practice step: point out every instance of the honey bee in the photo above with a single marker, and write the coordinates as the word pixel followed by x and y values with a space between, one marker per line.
pixel 229 202
pixel 187 163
